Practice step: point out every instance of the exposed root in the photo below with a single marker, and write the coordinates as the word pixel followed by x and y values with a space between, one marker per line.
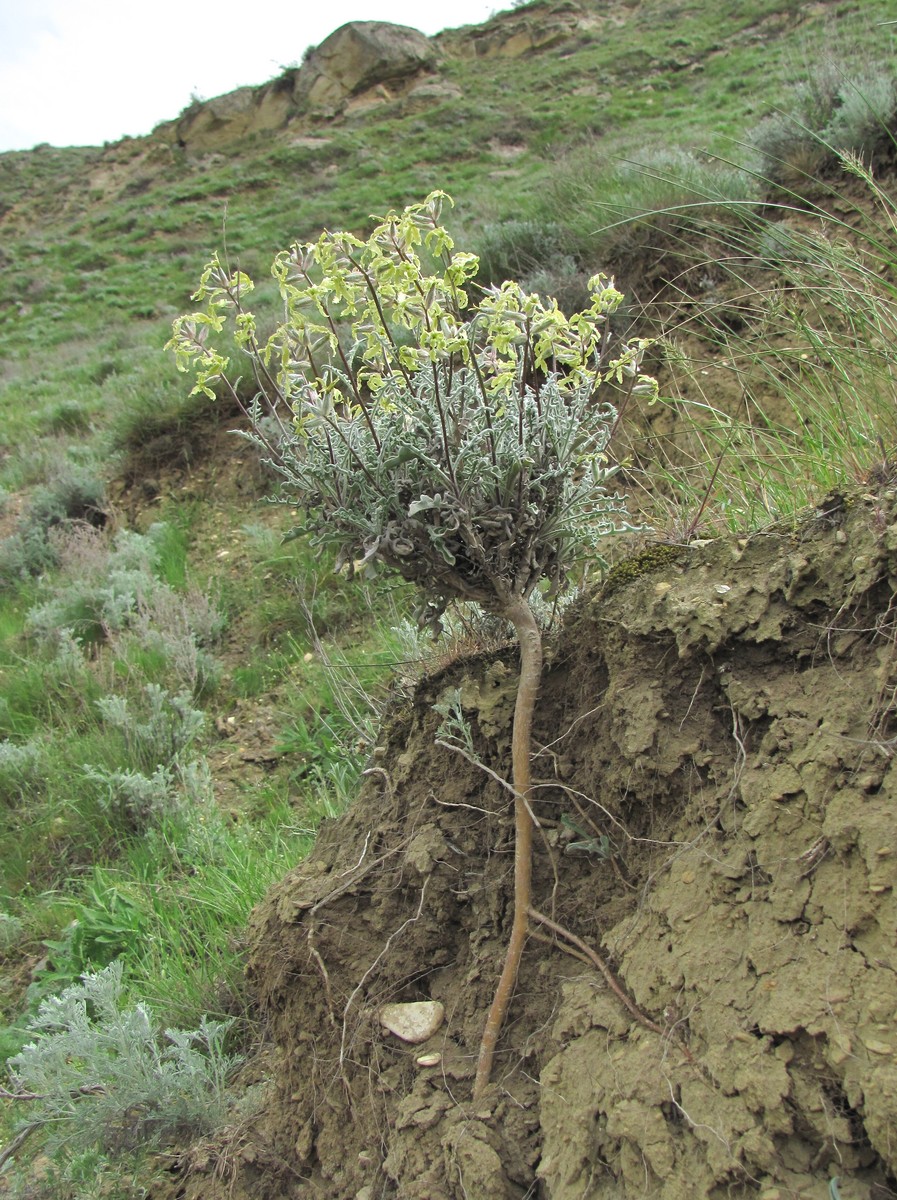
pixel 358 987
pixel 319 962
pixel 530 639
pixel 596 960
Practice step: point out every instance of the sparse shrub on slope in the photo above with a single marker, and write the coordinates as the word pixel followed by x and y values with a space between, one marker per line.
pixel 74 497
pixel 651 218
pixel 837 110
pixel 115 591
pixel 102 1074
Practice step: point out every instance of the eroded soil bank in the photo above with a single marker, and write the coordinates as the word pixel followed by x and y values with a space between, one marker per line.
pixel 719 723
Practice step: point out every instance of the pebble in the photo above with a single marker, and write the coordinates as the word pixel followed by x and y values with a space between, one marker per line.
pixel 413 1022
pixel 429 1060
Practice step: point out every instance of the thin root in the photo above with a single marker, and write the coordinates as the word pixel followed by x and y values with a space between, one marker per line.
pixel 610 978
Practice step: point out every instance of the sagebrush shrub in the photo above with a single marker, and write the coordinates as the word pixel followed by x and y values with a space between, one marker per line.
pixel 837 111
pixel 22 767
pixel 140 801
pixel 156 728
pixel 110 590
pixel 75 497
pixel 105 1075
pixel 515 249
pixel 10 931
pixel 181 626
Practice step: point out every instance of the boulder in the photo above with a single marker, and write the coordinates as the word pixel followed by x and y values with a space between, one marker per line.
pixel 359 57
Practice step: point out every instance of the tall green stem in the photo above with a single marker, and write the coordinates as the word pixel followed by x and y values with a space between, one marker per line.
pixel 530 639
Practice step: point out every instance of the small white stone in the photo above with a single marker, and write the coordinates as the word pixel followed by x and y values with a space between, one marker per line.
pixel 413 1022
pixel 429 1060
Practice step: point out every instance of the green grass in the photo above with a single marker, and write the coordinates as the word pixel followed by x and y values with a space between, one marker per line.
pixel 785 394
pixel 166 882
pixel 174 908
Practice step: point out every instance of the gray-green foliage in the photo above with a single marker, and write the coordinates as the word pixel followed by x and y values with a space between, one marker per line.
pixel 22 767
pixel 658 202
pixel 454 729
pixel 102 1073
pixel 143 799
pixel 74 497
pixel 10 931
pixel 110 590
pixel 100 585
pixel 157 728
pixel 838 109
pixel 517 249
pixel 464 445
pixel 517 513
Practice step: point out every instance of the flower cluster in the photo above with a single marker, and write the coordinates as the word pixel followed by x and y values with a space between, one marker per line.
pixel 461 442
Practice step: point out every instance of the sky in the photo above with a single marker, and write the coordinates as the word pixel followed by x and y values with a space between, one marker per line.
pixel 84 72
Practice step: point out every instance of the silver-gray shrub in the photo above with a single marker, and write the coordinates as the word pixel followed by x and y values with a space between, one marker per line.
pixel 157 729
pixel 11 930
pixel 99 584
pixel 452 523
pixel 838 109
pixel 461 444
pixel 22 770
pixel 109 591
pixel 103 1073
pixel 139 799
pixel 72 499
pixel 143 800
pixel 181 626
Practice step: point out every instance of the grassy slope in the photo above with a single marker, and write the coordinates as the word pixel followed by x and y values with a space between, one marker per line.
pixel 99 249
pixel 101 246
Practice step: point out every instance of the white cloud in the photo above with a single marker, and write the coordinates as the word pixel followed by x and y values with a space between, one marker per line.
pixel 81 72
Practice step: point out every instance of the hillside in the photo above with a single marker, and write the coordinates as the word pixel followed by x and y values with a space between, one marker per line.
pixel 218 759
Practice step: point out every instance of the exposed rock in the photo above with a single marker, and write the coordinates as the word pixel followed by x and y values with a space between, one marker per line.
pixel 413 1022
pixel 430 89
pixel 362 65
pixel 216 123
pixel 510 38
pixel 359 57
pixel 366 64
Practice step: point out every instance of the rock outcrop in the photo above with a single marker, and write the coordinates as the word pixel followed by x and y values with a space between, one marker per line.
pixel 361 64
pixel 213 124
pixel 359 58
pixel 364 64
pixel 513 35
